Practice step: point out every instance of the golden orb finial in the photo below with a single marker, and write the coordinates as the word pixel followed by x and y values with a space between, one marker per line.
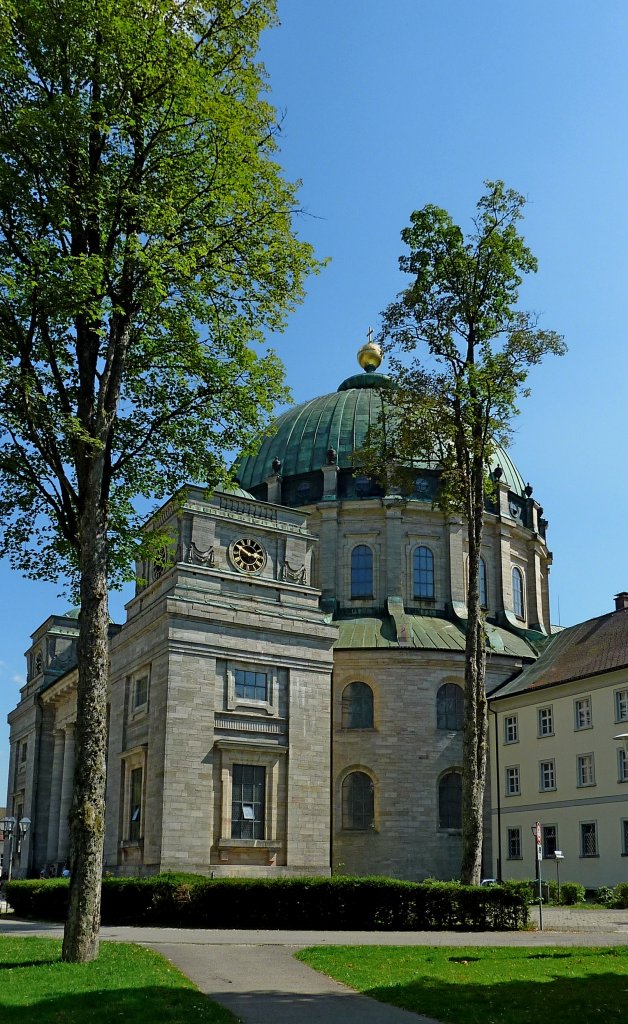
pixel 370 355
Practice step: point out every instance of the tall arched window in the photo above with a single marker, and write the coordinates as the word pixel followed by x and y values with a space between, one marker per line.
pixel 357 706
pixel 483 586
pixel 450 800
pixel 358 802
pixel 517 592
pixel 449 707
pixel 423 572
pixel 362 571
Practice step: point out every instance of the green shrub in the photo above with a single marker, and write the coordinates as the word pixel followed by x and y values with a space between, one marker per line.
pixel 571 893
pixel 620 893
pixel 605 895
pixel 362 904
pixel 43 899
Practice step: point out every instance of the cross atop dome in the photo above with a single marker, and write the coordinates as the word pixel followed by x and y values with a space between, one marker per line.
pixel 370 355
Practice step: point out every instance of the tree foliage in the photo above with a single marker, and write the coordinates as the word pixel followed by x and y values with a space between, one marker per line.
pixel 146 242
pixel 462 354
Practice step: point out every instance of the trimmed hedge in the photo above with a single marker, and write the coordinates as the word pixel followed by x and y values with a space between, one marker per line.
pixel 571 893
pixel 360 904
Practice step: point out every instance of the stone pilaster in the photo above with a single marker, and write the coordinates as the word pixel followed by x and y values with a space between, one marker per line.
pixel 394 553
pixel 456 562
pixel 505 570
pixel 330 482
pixel 535 590
pixel 67 781
pixel 55 797
pixel 273 484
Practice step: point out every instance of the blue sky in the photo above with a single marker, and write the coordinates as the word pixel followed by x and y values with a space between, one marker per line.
pixel 388 107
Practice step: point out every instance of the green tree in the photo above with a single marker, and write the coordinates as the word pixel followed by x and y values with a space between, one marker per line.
pixel 464 354
pixel 146 241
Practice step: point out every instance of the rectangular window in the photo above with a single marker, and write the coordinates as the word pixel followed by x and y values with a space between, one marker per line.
pixel 23 752
pixel 251 685
pixel 622 766
pixel 248 785
pixel 588 839
pixel 546 722
pixel 514 844
pixel 512 780
pixel 140 691
pixel 621 705
pixel 586 770
pixel 135 804
pixel 624 837
pixel 547 775
pixel 583 713
pixel 511 729
pixel 549 840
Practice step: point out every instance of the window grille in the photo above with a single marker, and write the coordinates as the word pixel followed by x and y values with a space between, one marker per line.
pixel 514 844
pixel 588 838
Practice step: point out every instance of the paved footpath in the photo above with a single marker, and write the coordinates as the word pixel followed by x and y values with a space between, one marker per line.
pixel 255 975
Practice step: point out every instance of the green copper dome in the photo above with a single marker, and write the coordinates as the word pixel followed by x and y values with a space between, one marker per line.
pixel 302 437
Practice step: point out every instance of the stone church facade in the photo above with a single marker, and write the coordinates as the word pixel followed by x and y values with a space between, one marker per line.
pixel 286 692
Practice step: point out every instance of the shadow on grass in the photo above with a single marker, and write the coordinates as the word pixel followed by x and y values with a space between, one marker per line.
pixel 12 964
pixel 594 997
pixel 151 1003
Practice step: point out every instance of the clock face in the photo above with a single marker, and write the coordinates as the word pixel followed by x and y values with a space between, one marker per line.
pixel 247 555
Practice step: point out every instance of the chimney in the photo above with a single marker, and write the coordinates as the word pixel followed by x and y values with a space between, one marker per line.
pixel 621 601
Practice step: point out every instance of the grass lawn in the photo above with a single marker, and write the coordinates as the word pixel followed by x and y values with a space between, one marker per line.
pixel 483 985
pixel 126 983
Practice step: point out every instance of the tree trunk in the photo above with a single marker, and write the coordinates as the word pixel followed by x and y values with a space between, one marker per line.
pixel 475 732
pixel 87 819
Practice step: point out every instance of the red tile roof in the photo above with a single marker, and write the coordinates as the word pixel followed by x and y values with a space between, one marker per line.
pixel 587 649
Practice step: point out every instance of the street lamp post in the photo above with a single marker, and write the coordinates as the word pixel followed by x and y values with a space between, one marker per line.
pixel 559 855
pixel 14 830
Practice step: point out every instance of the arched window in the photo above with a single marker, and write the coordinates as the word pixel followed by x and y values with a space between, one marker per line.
pixel 357 706
pixel 483 586
pixel 423 572
pixel 450 800
pixel 358 802
pixel 449 707
pixel 362 571
pixel 517 592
